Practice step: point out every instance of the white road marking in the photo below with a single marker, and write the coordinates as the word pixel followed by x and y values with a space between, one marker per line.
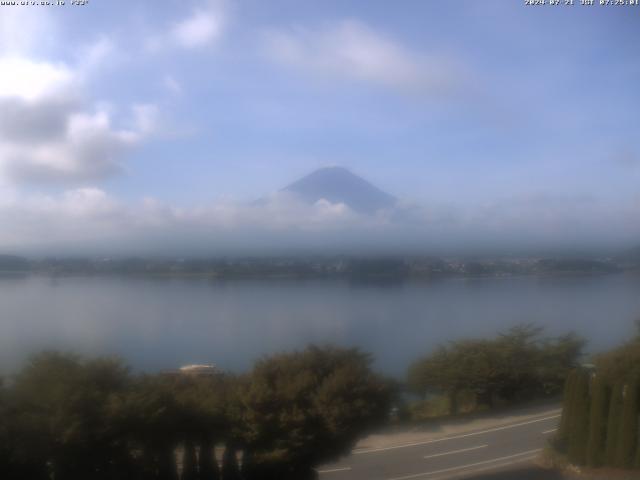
pixel 495 467
pixel 549 431
pixel 333 470
pixel 455 451
pixel 470 465
pixel 427 442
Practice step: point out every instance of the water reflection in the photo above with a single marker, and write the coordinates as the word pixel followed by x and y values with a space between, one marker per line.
pixel 162 322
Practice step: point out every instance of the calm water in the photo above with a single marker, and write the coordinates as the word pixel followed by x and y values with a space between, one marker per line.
pixel 164 323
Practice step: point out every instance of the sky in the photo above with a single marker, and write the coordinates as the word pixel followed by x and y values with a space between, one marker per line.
pixel 151 127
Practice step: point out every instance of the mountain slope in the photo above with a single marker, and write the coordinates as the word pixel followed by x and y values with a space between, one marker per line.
pixel 339 185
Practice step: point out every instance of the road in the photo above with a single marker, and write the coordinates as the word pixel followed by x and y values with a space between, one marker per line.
pixel 500 452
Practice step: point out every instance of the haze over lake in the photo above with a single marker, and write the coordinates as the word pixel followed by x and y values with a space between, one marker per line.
pixel 159 323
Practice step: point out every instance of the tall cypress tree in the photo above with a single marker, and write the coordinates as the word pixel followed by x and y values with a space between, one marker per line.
pixel 579 420
pixel 613 424
pixel 598 422
pixel 628 432
pixel 249 471
pixel 167 469
pixel 567 404
pixel 189 470
pixel 230 469
pixel 207 462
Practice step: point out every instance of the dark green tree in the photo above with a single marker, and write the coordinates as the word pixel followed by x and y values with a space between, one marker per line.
pixel 437 373
pixel 557 357
pixel 5 451
pixel 562 437
pixel 248 469
pixel 628 430
pixel 517 365
pixel 189 462
pixel 613 423
pixel 621 364
pixel 61 414
pixel 579 427
pixel 230 468
pixel 153 421
pixel 208 465
pixel 598 421
pixel 306 408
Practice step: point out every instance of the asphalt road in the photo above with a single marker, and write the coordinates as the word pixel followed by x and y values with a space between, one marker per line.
pixel 502 452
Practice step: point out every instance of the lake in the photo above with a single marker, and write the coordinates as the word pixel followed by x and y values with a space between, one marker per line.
pixel 160 323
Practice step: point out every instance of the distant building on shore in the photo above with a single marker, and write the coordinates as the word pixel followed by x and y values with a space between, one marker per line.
pixel 196 370
pixel 200 370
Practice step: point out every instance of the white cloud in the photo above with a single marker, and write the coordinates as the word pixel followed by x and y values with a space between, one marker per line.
pixel 90 217
pixel 90 221
pixel 48 134
pixel 201 28
pixel 30 80
pixel 354 50
pixel 24 30
pixel 171 84
pixel 96 54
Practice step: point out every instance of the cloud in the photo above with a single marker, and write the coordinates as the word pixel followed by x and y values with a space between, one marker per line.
pixel 86 147
pixel 30 80
pixel 353 50
pixel 24 30
pixel 171 84
pixel 90 218
pixel 201 28
pixel 90 221
pixel 96 54
pixel 49 133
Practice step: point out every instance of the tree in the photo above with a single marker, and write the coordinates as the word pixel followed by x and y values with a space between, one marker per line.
pixel 621 364
pixel 628 433
pixel 152 419
pixel 189 462
pixel 305 408
pixel 558 356
pixel 207 463
pixel 613 423
pixel 203 402
pixel 520 352
pixel 579 427
pixel 598 422
pixel 562 437
pixel 5 452
pixel 230 468
pixel 517 365
pixel 63 427
pixel 437 372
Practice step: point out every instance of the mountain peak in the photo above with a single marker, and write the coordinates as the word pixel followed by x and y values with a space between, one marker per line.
pixel 340 185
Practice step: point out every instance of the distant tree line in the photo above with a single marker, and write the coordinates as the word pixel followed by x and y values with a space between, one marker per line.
pixel 358 268
pixel 63 417
pixel 519 364
pixel 600 420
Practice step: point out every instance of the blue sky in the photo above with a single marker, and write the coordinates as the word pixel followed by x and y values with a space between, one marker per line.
pixel 497 115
